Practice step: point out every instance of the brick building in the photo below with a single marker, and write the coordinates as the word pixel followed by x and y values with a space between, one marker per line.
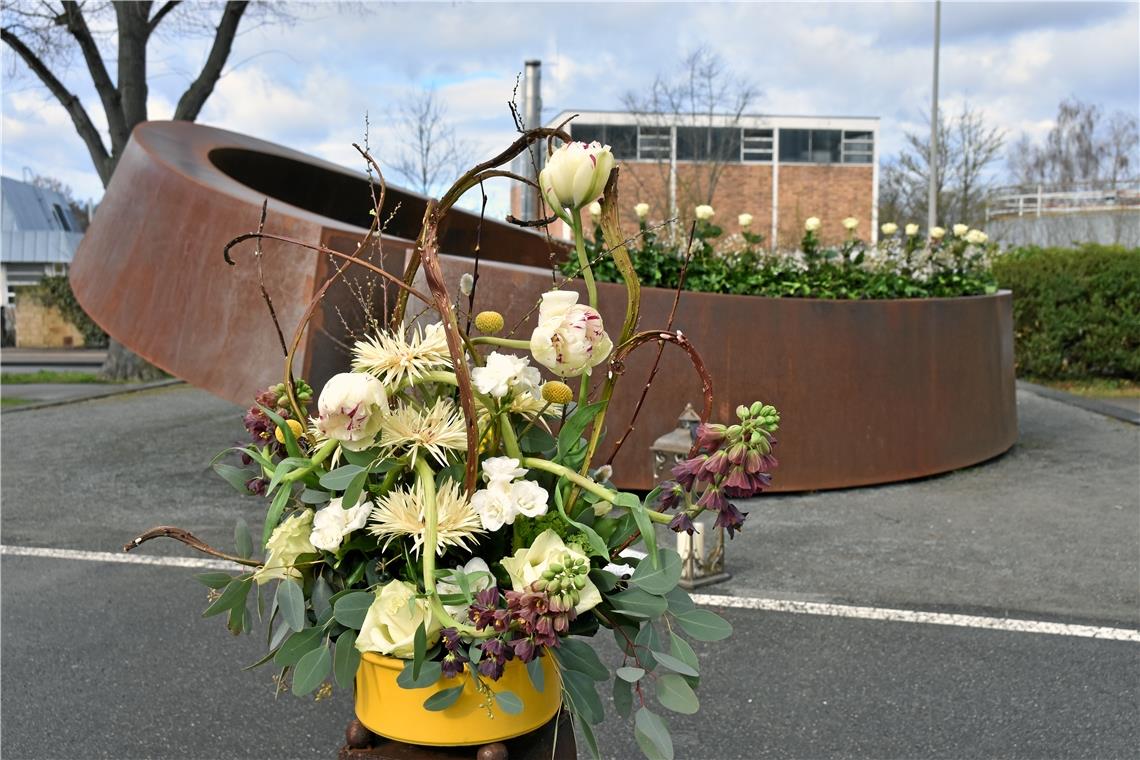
pixel 780 169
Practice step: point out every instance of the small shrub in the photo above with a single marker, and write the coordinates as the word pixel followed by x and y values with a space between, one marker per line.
pixel 56 291
pixel 1076 311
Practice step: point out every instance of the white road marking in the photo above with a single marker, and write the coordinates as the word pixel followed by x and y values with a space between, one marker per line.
pixel 1012 625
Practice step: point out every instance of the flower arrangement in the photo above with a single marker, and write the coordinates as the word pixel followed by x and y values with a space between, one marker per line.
pixel 439 501
pixel 899 266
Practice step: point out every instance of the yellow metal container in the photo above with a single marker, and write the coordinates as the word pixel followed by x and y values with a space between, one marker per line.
pixel 397 713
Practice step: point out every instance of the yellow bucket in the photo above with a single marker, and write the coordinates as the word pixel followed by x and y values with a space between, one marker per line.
pixel 397 713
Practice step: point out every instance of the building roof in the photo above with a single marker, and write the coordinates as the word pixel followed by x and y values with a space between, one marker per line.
pixel 747 121
pixel 36 223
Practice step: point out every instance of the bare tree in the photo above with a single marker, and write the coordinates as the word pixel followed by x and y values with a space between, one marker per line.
pixel 429 151
pixel 701 98
pixel 909 172
pixel 46 36
pixel 974 147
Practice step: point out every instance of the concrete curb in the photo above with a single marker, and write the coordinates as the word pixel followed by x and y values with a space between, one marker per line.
pixel 95 396
pixel 1088 404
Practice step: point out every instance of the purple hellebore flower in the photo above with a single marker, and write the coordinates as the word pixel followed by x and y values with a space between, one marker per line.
pixel 682 522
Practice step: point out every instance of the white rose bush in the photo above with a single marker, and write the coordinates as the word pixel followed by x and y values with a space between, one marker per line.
pixel 438 502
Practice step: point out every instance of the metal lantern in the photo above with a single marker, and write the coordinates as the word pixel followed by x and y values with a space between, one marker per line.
pixel 700 564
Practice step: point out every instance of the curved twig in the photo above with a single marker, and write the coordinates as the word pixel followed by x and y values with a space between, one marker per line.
pixel 178 534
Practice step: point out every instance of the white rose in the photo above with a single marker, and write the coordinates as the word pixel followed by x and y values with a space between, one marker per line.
pixel 351 408
pixel 937 233
pixel 976 237
pixel 595 209
pixel 494 505
pixel 500 469
pixel 391 622
pixel 576 174
pixel 288 541
pixel 889 228
pixel 704 212
pixel 529 498
pixel 479 577
pixel 850 223
pixel 811 224
pixel 960 230
pixel 503 373
pixel 570 339
pixel 642 210
pixel 334 522
pixel 528 565
pixel 744 220
pixel 911 230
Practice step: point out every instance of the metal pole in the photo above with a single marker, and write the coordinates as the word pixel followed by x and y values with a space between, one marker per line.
pixel 932 195
pixel 532 103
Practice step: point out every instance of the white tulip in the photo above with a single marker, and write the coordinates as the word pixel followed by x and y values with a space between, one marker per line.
pixel 911 230
pixel 812 224
pixel 351 409
pixel 960 230
pixel 850 223
pixel 576 174
pixel 704 212
pixel 889 228
pixel 570 339
pixel 642 210
pixel 744 220
pixel 937 233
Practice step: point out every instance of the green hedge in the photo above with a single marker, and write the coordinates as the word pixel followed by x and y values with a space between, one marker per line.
pixel 1076 311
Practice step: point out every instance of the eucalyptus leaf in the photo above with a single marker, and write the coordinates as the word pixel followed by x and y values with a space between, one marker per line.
pixel 311 670
pixel 214 580
pixel 652 735
pixel 583 697
pixel 509 702
pixel 679 600
pixel 681 649
pixel 233 596
pixel 350 609
pixel 591 740
pixel 630 674
pixel 623 697
pixel 346 659
pixel 298 645
pixel 703 625
pixel 638 603
pixel 291 601
pixel 352 492
pixel 419 651
pixel 675 694
pixel 321 596
pixel 644 524
pixel 338 479
pixel 430 673
pixel 674 664
pixel 579 656
pixel 659 578
pixel 243 542
pixel 273 515
pixel 536 673
pixel 235 476
pixel 314 496
pixel 443 699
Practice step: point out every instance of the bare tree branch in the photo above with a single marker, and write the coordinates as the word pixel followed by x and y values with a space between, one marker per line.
pixel 72 18
pixel 156 19
pixel 191 102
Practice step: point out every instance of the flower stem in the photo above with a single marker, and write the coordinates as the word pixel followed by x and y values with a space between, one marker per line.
pixel 579 480
pixel 321 455
pixel 583 260
pixel 493 340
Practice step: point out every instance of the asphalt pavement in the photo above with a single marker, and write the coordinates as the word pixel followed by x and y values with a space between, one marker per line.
pixel 106 660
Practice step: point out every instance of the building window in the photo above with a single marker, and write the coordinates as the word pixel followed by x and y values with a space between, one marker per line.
pixel 811 146
pixel 708 144
pixel 654 143
pixel 621 139
pixel 757 145
pixel 858 147
pixel 61 217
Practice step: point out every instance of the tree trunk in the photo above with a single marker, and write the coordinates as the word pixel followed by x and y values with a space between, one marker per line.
pixel 122 365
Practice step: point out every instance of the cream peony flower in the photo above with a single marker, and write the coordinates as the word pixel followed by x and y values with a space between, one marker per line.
pixel 812 224
pixel 976 237
pixel 704 212
pixel 576 174
pixel 960 230
pixel 351 409
pixel 570 339
pixel 504 373
pixel 595 210
pixel 528 565
pixel 937 233
pixel 288 541
pixel 911 230
pixel 391 622
pixel 850 223
pixel 642 210
pixel 889 228
pixel 334 522
pixel 744 220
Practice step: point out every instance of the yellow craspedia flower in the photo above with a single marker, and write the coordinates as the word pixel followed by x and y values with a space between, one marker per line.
pixel 489 322
pixel 294 426
pixel 557 392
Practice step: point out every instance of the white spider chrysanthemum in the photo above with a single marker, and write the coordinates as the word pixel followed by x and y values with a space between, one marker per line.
pixel 434 430
pixel 400 513
pixel 394 358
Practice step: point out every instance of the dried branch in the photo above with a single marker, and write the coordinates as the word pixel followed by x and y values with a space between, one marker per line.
pixel 199 90
pixel 178 534
pixel 257 254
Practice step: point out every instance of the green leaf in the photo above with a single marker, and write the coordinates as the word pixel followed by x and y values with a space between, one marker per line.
pixel 242 540
pixel 431 672
pixel 575 425
pixel 291 601
pixel 237 620
pixel 443 699
pixel 352 492
pixel 623 697
pixel 603 579
pixel 580 656
pixel 351 608
pixel 537 676
pixel 346 659
pixel 675 694
pixel 291 447
pixel 661 578
pixel 644 524
pixel 598 547
pixel 313 496
pixel 537 441
pixel 633 675
pixel 321 596
pixel 339 479
pixel 235 476
pixel 509 702
pixel 679 600
pixel 591 740
pixel 674 664
pixel 703 625
pixel 233 596
pixel 273 516
pixel 583 697
pixel 283 468
pixel 214 580
pixel 652 735
pixel 298 645
pixel 681 649
pixel 312 670
pixel 638 603
pixel 419 651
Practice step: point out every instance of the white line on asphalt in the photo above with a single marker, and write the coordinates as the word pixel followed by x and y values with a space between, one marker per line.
pixel 1012 625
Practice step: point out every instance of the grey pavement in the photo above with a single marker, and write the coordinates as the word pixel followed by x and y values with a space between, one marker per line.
pixel 103 660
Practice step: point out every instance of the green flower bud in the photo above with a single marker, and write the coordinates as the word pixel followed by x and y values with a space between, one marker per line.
pixel 539 585
pixel 579 581
pixel 556 568
pixel 757 408
pixel 742 412
pixel 554 586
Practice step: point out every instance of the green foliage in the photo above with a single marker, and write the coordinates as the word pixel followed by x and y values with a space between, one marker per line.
pixel 56 291
pixel 897 268
pixel 1076 311
pixel 49 376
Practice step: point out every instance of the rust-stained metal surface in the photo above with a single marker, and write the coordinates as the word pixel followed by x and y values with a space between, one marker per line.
pixel 869 391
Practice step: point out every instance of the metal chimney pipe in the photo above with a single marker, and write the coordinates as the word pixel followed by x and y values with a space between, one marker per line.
pixel 532 114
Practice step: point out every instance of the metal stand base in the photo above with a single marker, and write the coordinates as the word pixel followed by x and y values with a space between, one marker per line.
pixel 554 741
pixel 705 580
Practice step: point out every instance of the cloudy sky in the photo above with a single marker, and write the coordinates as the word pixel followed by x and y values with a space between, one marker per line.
pixel 308 83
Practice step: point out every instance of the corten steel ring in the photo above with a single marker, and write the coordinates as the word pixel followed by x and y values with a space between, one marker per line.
pixel 869 391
